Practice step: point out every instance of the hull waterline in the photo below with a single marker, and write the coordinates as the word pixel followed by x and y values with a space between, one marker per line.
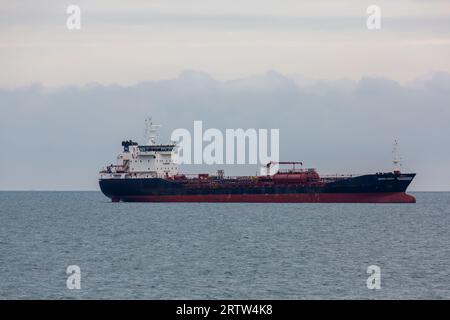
pixel 388 197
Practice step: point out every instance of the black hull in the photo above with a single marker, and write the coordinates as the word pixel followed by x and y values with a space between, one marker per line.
pixel 386 187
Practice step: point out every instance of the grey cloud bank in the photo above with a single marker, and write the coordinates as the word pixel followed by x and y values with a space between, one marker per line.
pixel 58 139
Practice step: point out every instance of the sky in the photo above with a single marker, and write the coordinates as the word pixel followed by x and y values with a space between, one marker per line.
pixel 339 93
pixel 126 42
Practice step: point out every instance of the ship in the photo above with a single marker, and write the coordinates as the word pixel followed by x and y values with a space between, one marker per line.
pixel 148 173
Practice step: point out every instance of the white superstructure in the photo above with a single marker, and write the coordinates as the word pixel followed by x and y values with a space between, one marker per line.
pixel 143 161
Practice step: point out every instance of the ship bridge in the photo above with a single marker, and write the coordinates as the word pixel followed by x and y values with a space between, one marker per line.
pixel 150 160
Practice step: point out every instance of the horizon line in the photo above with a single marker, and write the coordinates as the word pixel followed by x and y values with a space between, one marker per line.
pixel 92 190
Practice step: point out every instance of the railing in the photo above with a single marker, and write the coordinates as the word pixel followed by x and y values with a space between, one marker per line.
pixel 338 175
pixel 194 176
pixel 297 170
pixel 335 177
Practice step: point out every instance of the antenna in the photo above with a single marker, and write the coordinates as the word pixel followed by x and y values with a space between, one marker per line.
pixel 396 160
pixel 151 131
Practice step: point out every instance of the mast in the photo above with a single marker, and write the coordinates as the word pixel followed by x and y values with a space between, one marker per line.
pixel 396 160
pixel 151 131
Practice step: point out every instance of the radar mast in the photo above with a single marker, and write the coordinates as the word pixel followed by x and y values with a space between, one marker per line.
pixel 151 131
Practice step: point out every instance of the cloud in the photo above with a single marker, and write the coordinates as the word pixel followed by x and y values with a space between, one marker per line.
pixel 127 41
pixel 59 138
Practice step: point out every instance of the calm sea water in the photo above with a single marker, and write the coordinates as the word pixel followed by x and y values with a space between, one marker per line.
pixel 227 251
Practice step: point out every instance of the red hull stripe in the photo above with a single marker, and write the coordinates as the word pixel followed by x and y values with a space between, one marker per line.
pixel 381 197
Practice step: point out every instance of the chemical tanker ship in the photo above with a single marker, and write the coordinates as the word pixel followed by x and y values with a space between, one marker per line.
pixel 147 173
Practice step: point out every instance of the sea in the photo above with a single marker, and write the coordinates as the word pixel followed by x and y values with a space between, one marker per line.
pixel 80 245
